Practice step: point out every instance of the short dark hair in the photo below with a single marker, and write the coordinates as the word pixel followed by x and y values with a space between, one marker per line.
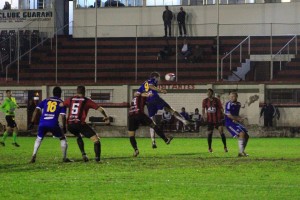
pixel 81 90
pixel 212 91
pixel 57 91
pixel 234 92
pixel 7 91
pixel 154 74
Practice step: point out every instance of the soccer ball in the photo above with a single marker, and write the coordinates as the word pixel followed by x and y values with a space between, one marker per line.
pixel 170 77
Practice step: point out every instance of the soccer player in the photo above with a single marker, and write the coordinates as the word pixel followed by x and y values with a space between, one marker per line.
pixel 9 106
pixel 212 110
pixel 49 122
pixel 137 117
pixel 79 106
pixel 233 123
pixel 155 102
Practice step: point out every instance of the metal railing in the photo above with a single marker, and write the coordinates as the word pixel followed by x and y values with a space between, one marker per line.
pixel 28 52
pixel 240 45
pixel 280 52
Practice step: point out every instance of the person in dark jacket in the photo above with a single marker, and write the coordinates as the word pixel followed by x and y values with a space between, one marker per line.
pixel 167 18
pixel 269 111
pixel 181 21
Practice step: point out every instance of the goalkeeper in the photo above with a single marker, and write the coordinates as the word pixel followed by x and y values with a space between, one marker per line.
pixel 8 107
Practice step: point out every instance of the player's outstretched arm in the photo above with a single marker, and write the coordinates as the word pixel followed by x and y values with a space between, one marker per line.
pixel 152 87
pixel 104 113
pixel 35 112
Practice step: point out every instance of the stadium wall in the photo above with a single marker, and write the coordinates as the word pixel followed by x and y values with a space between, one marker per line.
pixel 240 19
pixel 188 96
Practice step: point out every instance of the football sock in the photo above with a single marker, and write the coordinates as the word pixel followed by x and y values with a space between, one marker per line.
pixel 5 134
pixel 37 145
pixel 152 134
pixel 64 147
pixel 179 117
pixel 160 133
pixel 209 140
pixel 133 142
pixel 246 141
pixel 97 149
pixel 81 145
pixel 15 137
pixel 224 140
pixel 241 143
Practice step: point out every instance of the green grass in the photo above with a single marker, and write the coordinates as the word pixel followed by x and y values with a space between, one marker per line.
pixel 181 170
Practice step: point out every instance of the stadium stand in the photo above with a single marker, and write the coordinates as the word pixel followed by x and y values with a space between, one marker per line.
pixel 116 60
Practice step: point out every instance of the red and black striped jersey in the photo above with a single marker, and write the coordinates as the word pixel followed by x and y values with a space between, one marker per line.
pixel 213 109
pixel 79 108
pixel 137 105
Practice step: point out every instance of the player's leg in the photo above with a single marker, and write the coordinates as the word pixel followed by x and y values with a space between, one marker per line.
pixel 57 132
pixel 75 129
pixel 133 143
pixel 210 128
pixel 5 134
pixel 40 136
pixel 236 131
pixel 161 134
pixel 88 132
pixel 9 129
pixel 15 133
pixel 133 125
pixel 177 115
pixel 223 137
pixel 246 138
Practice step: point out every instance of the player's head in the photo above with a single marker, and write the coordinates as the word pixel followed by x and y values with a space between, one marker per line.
pixel 81 90
pixel 183 109
pixel 167 7
pixel 8 93
pixel 233 96
pixel 210 93
pixel 155 75
pixel 57 91
pixel 196 110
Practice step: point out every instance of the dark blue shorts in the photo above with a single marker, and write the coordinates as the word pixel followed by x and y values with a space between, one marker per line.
pixel 55 130
pixel 235 129
pixel 155 105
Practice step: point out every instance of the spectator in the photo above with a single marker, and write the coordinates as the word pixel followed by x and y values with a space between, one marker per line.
pixel 167 18
pixel 180 125
pixel 269 111
pixel 181 21
pixel 30 109
pixel 196 117
pixel 198 54
pixel 186 50
pixel 164 53
pixel 166 121
pixel 7 6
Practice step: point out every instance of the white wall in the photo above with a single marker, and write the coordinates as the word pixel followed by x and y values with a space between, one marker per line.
pixel 121 22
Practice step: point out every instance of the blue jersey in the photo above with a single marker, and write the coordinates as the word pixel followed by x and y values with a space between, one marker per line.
pixel 51 111
pixel 145 87
pixel 231 108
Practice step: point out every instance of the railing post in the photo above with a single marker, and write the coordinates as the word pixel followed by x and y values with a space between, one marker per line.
pixel 249 41
pixel 56 56
pixel 136 54
pixel 222 69
pixel 280 61
pixel 29 56
pixel 176 59
pixel 296 46
pixel 288 51
pixel 18 56
pixel 230 61
pixel 271 54
pixel 241 48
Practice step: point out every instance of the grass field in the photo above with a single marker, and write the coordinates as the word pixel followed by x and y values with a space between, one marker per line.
pixel 182 170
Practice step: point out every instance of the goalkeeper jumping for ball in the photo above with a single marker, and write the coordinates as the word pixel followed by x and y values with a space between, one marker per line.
pixel 155 102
